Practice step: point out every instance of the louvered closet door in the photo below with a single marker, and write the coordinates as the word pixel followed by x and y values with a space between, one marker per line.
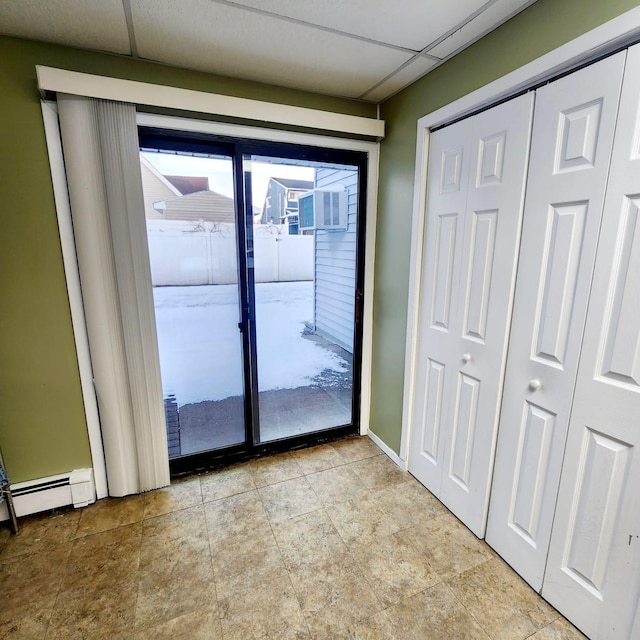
pixel 593 569
pixel 475 196
pixel 572 136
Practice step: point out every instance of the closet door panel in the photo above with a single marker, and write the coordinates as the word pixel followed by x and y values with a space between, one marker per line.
pixel 490 249
pixel 593 569
pixel 472 237
pixel 573 130
pixel 449 158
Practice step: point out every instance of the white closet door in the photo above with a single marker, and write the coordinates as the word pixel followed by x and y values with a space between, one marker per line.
pixel 448 174
pixel 574 122
pixel 469 268
pixel 593 570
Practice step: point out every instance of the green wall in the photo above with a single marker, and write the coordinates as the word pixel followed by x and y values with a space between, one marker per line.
pixel 545 25
pixel 42 425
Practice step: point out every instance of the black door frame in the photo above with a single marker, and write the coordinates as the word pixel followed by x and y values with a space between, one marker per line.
pixel 240 150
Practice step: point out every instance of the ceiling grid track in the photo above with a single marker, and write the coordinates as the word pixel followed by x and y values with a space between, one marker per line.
pixel 128 15
pixel 313 25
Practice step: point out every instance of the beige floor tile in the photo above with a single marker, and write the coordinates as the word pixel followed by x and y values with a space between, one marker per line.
pixel 409 504
pixel 238 521
pixel 248 569
pixel 274 469
pixel 173 589
pixel 559 629
pixel 394 568
pixel 357 521
pixel 24 623
pixel 39 532
pixel 115 553
pixel 434 614
pixel 104 605
pixel 337 485
pixel 5 533
pixel 334 596
pixel 203 624
pixel 181 534
pixel 376 627
pixel 357 448
pixel 379 472
pixel 335 543
pixel 308 539
pixel 503 604
pixel 448 545
pixel 109 514
pixel 269 610
pixel 318 458
pixel 227 482
pixel 34 579
pixel 181 494
pixel 288 499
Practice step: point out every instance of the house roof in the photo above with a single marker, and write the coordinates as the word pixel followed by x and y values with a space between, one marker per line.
pixel 289 183
pixel 189 184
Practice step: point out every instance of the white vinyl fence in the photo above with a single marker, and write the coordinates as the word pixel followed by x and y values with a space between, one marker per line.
pixel 205 253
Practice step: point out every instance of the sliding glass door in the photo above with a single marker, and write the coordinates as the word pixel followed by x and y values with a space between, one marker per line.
pixel 256 258
pixel 305 292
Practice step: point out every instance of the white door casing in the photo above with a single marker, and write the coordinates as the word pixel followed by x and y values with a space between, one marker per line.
pixel 573 130
pixel 593 568
pixel 474 204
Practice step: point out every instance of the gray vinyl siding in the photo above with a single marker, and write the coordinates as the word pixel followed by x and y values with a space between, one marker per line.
pixel 335 265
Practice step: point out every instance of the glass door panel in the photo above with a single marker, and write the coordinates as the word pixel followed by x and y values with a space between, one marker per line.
pixel 305 263
pixel 192 236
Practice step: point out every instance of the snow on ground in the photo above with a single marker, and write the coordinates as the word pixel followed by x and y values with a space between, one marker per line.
pixel 200 348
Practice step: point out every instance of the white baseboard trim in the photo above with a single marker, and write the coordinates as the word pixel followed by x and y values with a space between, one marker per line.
pixel 388 450
pixel 75 488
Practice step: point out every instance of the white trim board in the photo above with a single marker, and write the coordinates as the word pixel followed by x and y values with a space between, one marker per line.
pixel 272 135
pixel 613 35
pixel 386 449
pixel 144 93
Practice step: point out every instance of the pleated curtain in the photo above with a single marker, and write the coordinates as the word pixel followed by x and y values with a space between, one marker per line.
pixel 100 144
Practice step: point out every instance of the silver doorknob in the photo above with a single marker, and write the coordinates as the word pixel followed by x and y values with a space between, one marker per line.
pixel 466 358
pixel 534 384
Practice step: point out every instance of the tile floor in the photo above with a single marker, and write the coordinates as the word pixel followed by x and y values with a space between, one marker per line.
pixel 330 542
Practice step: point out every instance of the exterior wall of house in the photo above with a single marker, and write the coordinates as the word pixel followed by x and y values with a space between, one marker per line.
pixel 335 265
pixel 274 203
pixel 542 27
pixel 42 425
pixel 154 191
pixel 205 205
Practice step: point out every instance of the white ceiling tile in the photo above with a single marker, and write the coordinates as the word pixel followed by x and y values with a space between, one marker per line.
pixel 494 16
pixel 76 23
pixel 216 38
pixel 414 70
pixel 407 23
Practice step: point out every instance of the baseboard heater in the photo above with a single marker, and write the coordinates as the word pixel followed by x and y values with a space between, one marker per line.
pixel 75 488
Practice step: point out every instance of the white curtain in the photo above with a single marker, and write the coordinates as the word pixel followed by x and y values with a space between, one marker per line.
pixel 100 143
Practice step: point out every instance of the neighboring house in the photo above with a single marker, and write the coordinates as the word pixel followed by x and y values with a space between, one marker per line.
pixel 189 184
pixel 185 198
pixel 205 206
pixel 335 264
pixel 281 202
pixel 156 187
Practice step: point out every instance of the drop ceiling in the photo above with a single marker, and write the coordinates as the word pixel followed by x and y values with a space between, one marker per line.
pixel 362 49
